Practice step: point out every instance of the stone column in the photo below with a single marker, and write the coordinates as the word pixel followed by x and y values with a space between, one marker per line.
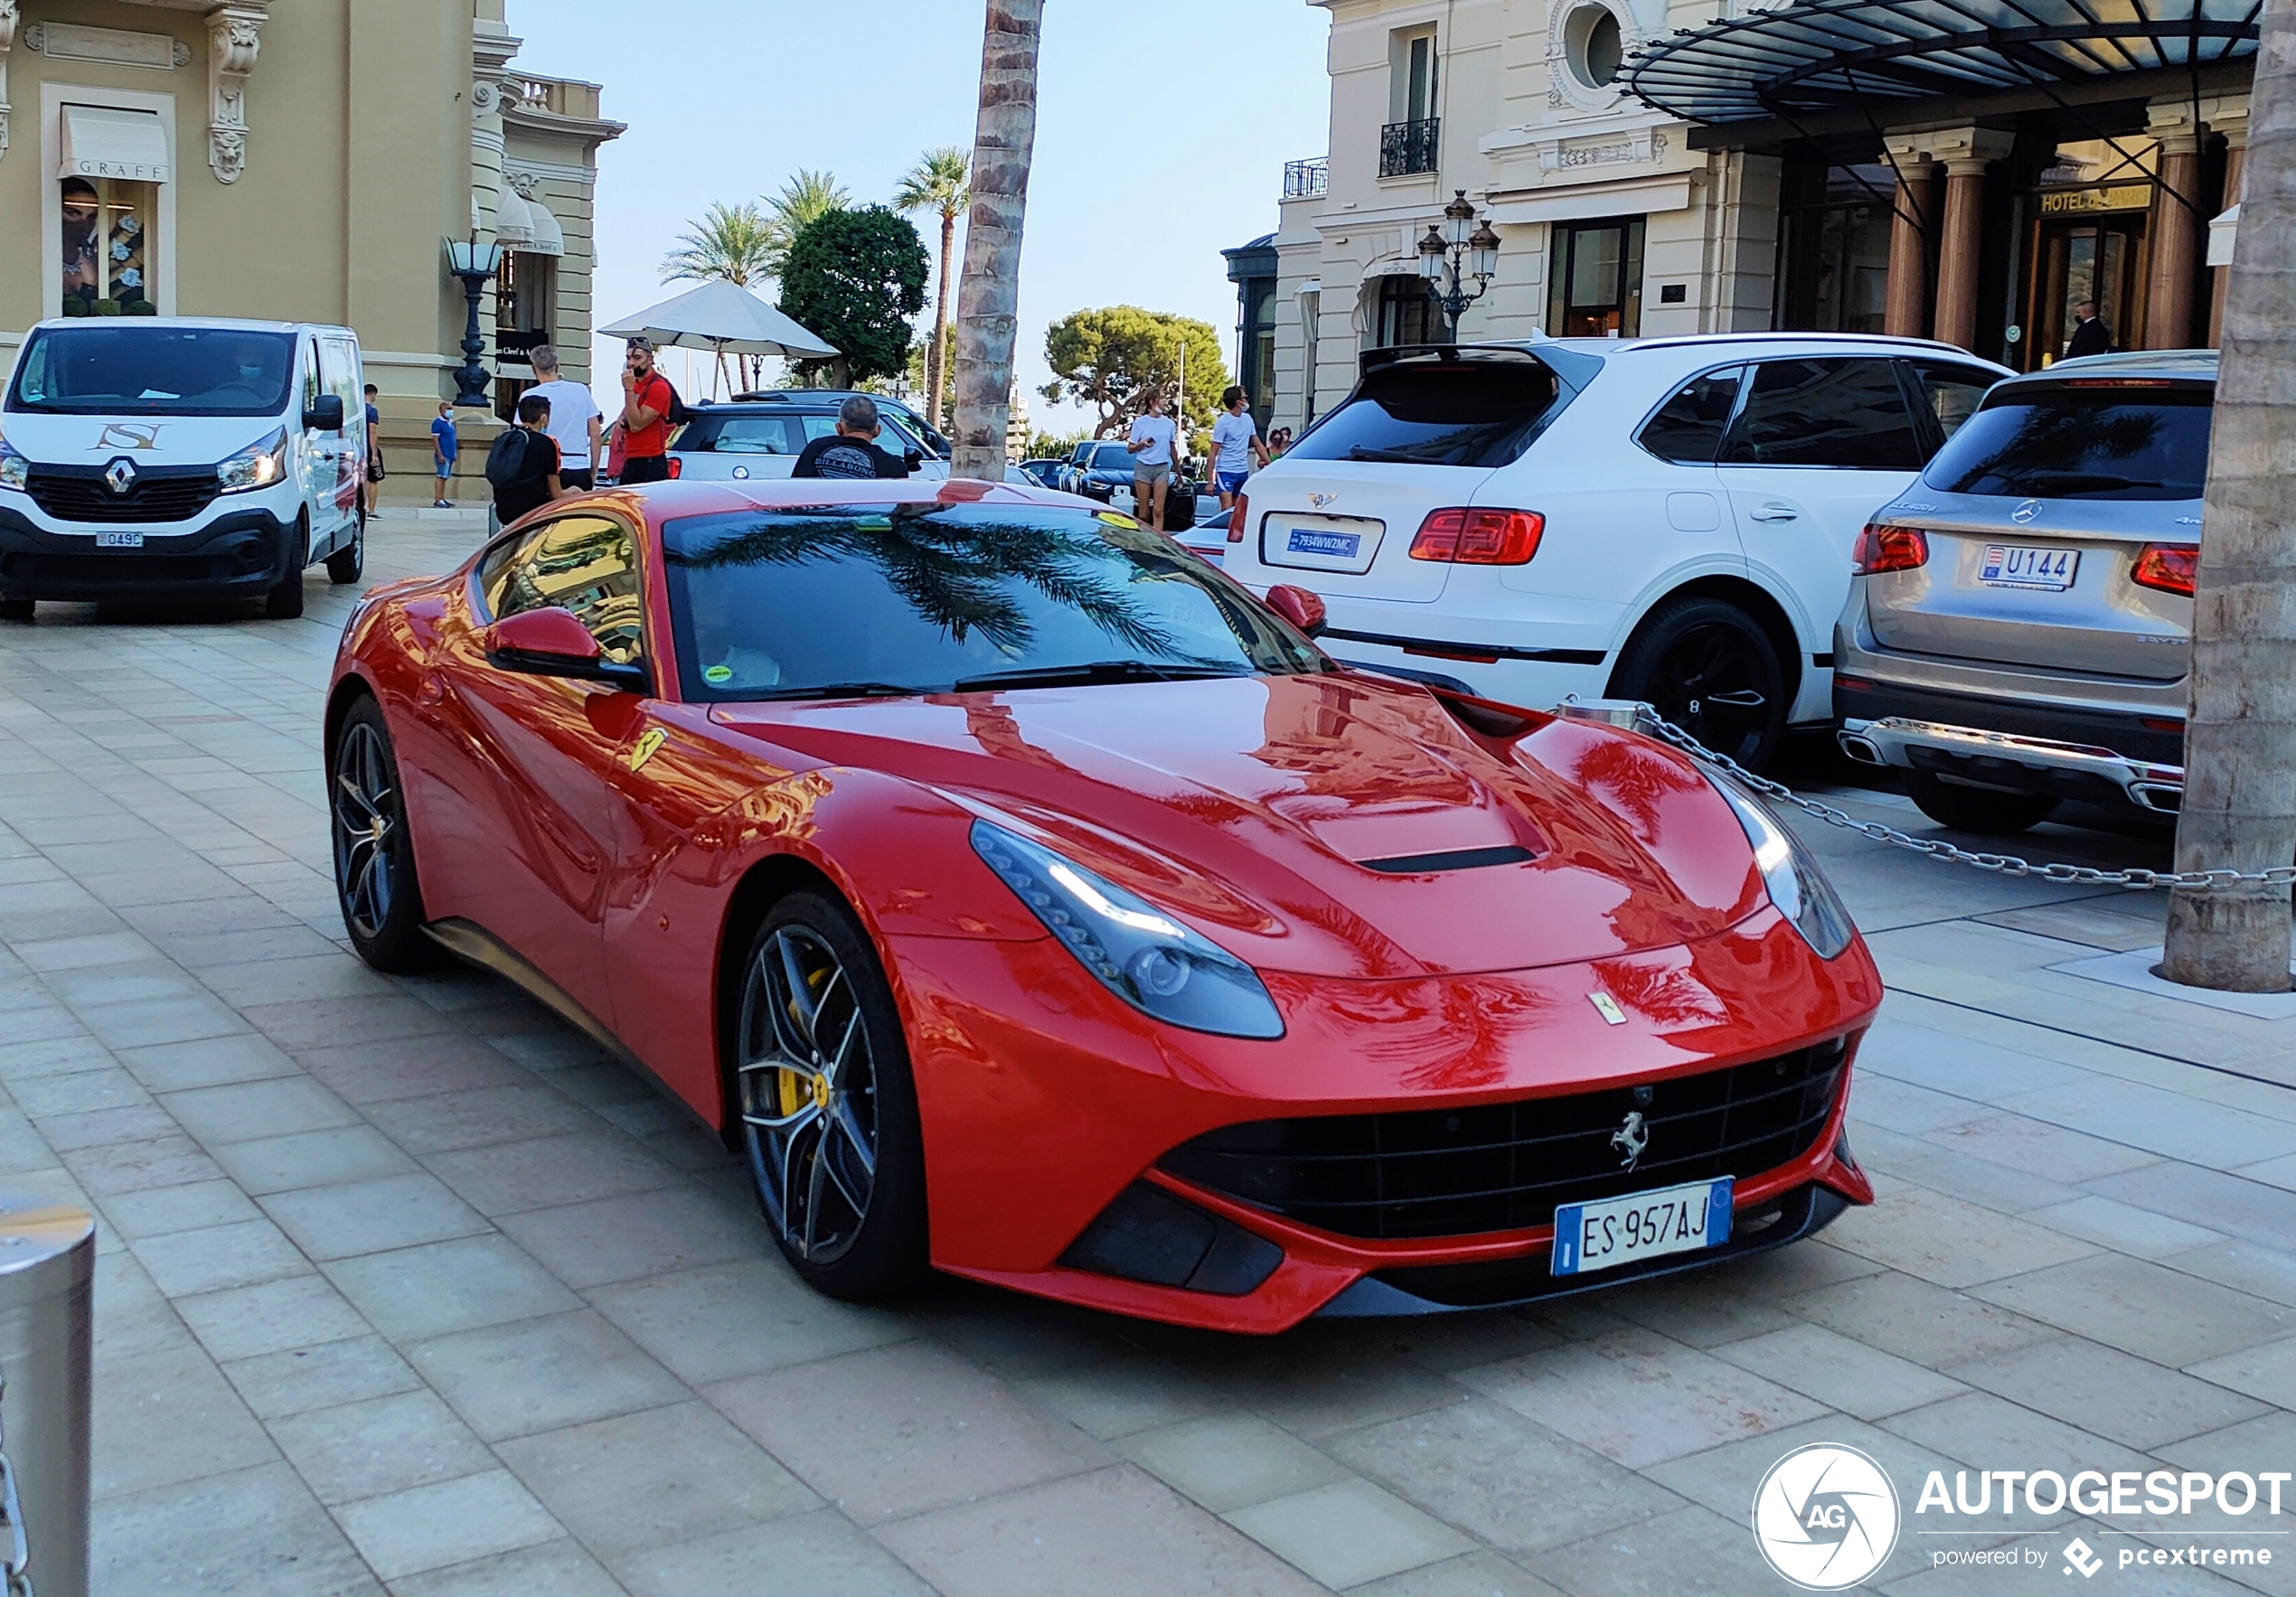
pixel 1906 310
pixel 234 38
pixel 2228 116
pixel 2173 285
pixel 1966 152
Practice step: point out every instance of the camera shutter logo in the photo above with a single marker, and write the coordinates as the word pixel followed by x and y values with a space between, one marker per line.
pixel 1825 1517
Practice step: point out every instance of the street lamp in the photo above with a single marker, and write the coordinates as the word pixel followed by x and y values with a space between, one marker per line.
pixel 1457 249
pixel 475 263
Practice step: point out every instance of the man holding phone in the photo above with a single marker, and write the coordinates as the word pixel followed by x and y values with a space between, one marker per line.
pixel 646 397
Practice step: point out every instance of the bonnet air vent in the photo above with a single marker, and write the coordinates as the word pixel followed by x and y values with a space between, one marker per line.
pixel 1454 859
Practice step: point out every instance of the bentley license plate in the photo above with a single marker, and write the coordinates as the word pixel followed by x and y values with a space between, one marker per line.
pixel 2020 565
pixel 1590 1236
pixel 119 540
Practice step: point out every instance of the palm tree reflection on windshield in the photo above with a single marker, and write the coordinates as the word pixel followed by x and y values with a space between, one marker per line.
pixel 960 578
pixel 2065 444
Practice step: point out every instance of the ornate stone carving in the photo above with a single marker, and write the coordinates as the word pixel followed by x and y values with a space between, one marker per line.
pixel 234 35
pixel 10 16
pixel 527 185
pixel 118 47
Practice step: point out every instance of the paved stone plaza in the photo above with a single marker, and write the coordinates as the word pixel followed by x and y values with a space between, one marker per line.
pixel 404 1288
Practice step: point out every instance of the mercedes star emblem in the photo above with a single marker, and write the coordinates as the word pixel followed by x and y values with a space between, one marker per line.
pixel 2026 512
pixel 1630 1139
pixel 120 475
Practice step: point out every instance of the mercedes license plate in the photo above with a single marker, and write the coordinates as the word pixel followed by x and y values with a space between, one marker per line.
pixel 1590 1236
pixel 119 540
pixel 2020 565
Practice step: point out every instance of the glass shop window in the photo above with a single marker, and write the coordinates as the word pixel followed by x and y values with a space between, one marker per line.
pixel 108 253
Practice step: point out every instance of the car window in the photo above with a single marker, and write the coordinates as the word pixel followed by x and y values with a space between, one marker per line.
pixel 1951 393
pixel 586 564
pixel 2097 440
pixel 745 435
pixel 921 597
pixel 1688 429
pixel 1825 412
pixel 1111 458
pixel 1436 413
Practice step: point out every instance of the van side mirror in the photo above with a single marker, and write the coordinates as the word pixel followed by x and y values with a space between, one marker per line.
pixel 551 643
pixel 324 414
pixel 1299 606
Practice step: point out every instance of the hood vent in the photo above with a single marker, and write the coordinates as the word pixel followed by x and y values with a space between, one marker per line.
pixel 1452 859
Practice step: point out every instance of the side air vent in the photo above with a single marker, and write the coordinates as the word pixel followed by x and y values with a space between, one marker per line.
pixel 1454 859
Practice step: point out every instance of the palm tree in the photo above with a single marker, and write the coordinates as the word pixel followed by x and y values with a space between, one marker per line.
pixel 2240 738
pixel 805 197
pixel 988 301
pixel 942 184
pixel 730 242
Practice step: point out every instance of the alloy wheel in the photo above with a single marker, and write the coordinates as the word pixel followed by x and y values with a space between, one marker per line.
pixel 808 1090
pixel 366 819
pixel 1712 682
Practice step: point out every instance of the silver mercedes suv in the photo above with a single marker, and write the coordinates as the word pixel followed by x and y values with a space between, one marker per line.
pixel 2019 625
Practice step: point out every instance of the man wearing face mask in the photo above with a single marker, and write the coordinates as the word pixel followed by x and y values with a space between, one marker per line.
pixel 647 399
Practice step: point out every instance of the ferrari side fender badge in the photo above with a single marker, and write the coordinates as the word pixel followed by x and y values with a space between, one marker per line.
pixel 653 738
pixel 1606 1006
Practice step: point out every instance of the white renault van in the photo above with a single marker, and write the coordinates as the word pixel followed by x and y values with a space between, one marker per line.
pixel 180 457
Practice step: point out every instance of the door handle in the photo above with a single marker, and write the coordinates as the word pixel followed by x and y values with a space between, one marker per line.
pixel 1776 513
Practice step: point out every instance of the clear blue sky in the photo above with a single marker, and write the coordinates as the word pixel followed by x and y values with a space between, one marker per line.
pixel 1162 131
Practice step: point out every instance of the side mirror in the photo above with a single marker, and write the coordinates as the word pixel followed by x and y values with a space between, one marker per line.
pixel 1297 605
pixel 552 643
pixel 913 459
pixel 324 414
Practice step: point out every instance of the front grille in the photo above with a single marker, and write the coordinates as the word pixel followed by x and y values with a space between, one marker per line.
pixel 133 569
pixel 1506 1167
pixel 158 495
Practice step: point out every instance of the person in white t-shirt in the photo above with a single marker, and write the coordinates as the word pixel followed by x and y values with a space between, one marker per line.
pixel 1237 449
pixel 575 423
pixel 1151 445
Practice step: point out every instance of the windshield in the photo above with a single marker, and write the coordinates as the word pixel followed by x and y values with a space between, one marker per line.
pixel 775 432
pixel 856 599
pixel 1111 458
pixel 153 372
pixel 1446 413
pixel 2117 442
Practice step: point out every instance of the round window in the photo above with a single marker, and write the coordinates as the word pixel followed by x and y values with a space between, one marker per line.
pixel 1592 45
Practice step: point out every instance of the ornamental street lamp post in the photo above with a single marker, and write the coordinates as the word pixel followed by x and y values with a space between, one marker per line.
pixel 475 263
pixel 1457 250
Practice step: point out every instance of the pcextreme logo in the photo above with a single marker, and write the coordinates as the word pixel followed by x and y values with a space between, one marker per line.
pixel 1825 1517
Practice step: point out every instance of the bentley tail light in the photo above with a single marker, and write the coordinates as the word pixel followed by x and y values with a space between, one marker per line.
pixel 1479 537
pixel 1236 521
pixel 1888 548
pixel 2168 567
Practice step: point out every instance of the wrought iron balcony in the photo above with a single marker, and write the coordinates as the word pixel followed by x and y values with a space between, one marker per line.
pixel 1406 148
pixel 1305 179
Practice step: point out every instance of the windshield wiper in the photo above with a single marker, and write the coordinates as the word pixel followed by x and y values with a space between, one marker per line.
pixel 1098 670
pixel 844 690
pixel 1406 456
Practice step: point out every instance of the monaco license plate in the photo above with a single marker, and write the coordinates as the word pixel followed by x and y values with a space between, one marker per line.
pixel 119 540
pixel 1591 1237
pixel 2020 565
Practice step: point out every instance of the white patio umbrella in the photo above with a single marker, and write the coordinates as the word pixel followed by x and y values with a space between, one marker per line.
pixel 725 319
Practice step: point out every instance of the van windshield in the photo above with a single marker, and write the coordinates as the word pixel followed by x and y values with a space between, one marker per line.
pixel 153 371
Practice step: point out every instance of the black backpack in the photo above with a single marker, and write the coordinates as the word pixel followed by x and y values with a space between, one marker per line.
pixel 507 458
pixel 677 415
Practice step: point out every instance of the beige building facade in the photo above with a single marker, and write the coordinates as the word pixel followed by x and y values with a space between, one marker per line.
pixel 1895 202
pixel 298 160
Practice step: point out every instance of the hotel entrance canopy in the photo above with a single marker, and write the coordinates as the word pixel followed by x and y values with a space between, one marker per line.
pixel 1816 57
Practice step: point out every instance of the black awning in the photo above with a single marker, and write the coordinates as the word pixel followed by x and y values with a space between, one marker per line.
pixel 1819 56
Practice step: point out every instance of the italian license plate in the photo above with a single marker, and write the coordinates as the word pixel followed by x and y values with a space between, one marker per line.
pixel 1335 546
pixel 119 540
pixel 1591 1237
pixel 2020 565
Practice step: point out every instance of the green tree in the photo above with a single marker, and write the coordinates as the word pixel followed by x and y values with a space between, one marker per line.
pixel 730 242
pixel 856 277
pixel 1044 446
pixel 804 198
pixel 1112 359
pixel 941 183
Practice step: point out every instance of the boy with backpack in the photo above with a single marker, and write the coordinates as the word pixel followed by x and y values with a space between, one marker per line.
pixel 523 465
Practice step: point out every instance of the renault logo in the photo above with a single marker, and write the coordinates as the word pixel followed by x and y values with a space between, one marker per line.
pixel 1630 1139
pixel 120 475
pixel 2026 512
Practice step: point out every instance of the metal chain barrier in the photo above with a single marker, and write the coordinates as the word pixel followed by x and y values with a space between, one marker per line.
pixel 2280 876
pixel 13 1563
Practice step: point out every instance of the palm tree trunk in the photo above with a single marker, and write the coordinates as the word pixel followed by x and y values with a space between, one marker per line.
pixel 2240 738
pixel 935 379
pixel 988 298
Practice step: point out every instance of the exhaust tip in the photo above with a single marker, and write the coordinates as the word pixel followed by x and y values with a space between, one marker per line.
pixel 2158 796
pixel 1859 749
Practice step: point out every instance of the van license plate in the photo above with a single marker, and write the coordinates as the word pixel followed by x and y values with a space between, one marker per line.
pixel 1336 546
pixel 1590 1236
pixel 2020 565
pixel 119 540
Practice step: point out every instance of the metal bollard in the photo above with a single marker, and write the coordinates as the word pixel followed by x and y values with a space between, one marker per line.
pixel 47 1277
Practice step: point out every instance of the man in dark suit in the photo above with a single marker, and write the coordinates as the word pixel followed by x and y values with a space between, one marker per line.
pixel 2090 336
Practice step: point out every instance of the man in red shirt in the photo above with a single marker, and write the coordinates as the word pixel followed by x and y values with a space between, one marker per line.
pixel 646 407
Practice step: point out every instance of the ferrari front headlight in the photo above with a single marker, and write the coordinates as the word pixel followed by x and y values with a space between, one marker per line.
pixel 258 466
pixel 1140 953
pixel 1797 886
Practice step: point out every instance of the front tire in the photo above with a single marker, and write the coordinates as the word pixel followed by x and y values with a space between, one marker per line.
pixel 1710 669
pixel 826 1105
pixel 347 563
pixel 285 601
pixel 1981 810
pixel 374 855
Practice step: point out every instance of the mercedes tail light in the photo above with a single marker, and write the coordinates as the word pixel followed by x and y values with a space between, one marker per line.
pixel 1888 548
pixel 1479 537
pixel 1236 521
pixel 2168 566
